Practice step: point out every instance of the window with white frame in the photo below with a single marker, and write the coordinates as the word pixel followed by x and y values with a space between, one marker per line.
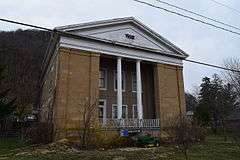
pixel 134 111
pixel 103 79
pixel 134 82
pixel 101 106
pixel 115 111
pixel 123 80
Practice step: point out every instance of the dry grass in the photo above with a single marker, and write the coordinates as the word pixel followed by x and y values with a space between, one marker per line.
pixel 213 148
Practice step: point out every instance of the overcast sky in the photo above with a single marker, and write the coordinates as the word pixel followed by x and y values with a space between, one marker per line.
pixel 201 42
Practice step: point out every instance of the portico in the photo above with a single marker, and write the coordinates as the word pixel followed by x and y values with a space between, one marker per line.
pixel 139 88
pixel 125 86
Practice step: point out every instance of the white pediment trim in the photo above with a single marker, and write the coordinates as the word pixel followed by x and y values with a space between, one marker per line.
pixel 87 29
pixel 118 51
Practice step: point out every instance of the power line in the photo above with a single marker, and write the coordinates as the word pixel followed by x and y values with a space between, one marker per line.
pixel 226 6
pixel 212 65
pixel 25 24
pixel 200 15
pixel 80 36
pixel 188 17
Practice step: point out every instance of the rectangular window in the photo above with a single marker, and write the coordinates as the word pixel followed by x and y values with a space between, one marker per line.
pixel 101 108
pixel 134 111
pixel 124 112
pixel 103 79
pixel 134 82
pixel 115 112
pixel 123 80
pixel 102 111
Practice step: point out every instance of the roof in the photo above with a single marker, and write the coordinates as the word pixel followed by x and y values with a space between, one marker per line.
pixel 118 21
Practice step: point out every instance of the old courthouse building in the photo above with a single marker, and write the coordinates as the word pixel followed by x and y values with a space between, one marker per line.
pixel 128 72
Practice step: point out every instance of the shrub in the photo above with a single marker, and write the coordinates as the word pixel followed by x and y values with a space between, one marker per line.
pixel 39 133
pixel 147 140
pixel 185 133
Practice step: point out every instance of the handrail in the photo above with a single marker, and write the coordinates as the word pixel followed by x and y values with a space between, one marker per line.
pixel 130 123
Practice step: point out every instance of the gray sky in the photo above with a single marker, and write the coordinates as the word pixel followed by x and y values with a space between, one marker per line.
pixel 201 42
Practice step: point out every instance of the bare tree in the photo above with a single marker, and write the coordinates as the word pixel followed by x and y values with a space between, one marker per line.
pixel 185 133
pixel 232 77
pixel 87 121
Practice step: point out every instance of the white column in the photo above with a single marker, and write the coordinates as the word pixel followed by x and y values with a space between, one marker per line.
pixel 139 90
pixel 119 87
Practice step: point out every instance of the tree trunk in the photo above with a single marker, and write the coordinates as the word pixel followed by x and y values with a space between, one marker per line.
pixel 185 154
pixel 224 130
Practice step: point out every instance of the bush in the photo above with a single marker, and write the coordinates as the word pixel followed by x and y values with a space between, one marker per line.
pixel 184 133
pixel 147 140
pixel 234 132
pixel 104 139
pixel 39 133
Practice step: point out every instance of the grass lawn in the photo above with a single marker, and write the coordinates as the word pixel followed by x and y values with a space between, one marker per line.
pixel 213 149
pixel 7 145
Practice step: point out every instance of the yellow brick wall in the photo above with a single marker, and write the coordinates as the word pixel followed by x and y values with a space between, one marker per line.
pixel 169 93
pixel 77 86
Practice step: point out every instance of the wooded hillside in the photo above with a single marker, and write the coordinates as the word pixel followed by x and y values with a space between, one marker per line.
pixel 22 52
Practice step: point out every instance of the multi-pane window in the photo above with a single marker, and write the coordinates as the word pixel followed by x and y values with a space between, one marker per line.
pixel 134 82
pixel 103 79
pixel 100 112
pixel 100 109
pixel 124 112
pixel 115 112
pixel 123 80
pixel 134 111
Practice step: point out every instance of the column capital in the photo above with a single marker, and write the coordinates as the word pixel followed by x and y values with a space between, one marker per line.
pixel 138 60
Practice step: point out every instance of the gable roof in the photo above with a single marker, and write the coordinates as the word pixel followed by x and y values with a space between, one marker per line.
pixel 79 28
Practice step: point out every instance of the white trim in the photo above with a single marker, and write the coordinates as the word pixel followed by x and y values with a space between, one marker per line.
pixel 104 109
pixel 106 76
pixel 116 50
pixel 119 21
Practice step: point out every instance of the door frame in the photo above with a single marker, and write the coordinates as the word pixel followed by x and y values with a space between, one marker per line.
pixel 104 109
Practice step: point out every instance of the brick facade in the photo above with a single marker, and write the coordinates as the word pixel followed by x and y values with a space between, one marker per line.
pixel 169 93
pixel 77 85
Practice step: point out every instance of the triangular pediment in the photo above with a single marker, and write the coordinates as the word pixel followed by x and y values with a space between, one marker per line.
pixel 126 31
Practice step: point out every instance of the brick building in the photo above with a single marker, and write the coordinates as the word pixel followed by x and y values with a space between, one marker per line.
pixel 133 73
